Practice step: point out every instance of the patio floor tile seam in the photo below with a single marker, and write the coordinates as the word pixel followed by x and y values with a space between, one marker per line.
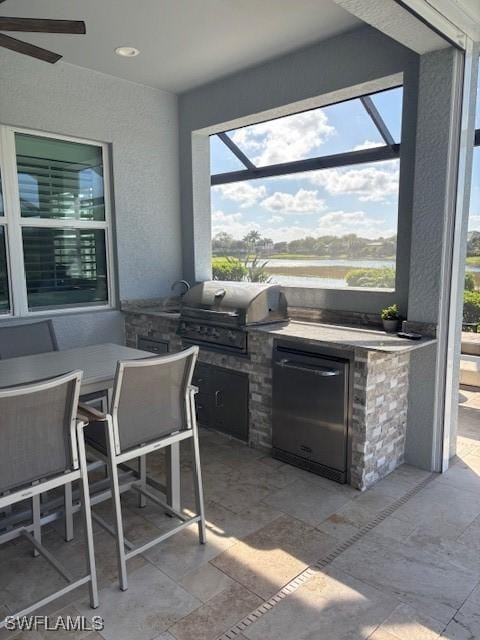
pixel 454 617
pixel 236 630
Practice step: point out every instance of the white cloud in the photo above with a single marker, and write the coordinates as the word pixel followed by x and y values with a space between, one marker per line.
pixel 369 184
pixel 233 224
pixel 243 193
pixel 341 223
pixel 284 139
pixel 338 223
pixel 368 144
pixel 220 217
pixel 304 201
pixel 474 222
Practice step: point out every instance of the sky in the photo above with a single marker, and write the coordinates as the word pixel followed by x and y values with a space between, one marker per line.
pixel 361 199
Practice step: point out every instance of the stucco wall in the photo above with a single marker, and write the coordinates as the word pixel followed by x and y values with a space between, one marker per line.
pixel 140 124
pixel 360 61
pixel 432 233
pixel 362 56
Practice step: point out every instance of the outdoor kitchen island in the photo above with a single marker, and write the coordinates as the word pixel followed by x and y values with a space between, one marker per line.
pixel 379 380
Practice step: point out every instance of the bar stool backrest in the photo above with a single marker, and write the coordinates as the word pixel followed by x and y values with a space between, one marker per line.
pixel 27 339
pixel 150 398
pixel 37 430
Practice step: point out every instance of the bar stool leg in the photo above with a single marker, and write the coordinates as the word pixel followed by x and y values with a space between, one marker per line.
pixel 68 512
pixel 117 507
pixel 173 476
pixel 37 525
pixel 87 514
pixel 198 486
pixel 142 472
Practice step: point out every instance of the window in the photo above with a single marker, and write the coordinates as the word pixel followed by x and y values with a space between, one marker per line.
pixel 310 199
pixel 4 288
pixel 55 249
pixel 471 308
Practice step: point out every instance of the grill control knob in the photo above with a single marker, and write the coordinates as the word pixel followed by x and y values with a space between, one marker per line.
pixel 231 336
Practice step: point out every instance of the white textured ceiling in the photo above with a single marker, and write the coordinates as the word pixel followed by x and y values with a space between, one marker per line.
pixel 183 43
pixel 392 19
pixel 456 19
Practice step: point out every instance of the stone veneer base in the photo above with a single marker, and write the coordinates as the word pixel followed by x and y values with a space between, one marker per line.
pixel 379 405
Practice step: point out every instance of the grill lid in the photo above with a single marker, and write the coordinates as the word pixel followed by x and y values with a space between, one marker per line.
pixel 243 302
pixel 219 295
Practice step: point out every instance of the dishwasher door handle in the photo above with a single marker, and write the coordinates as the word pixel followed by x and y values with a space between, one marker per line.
pixel 324 372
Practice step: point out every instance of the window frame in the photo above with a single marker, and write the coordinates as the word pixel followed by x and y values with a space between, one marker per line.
pixel 13 223
pixel 390 150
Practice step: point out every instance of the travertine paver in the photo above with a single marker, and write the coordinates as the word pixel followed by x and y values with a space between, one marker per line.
pixel 416 576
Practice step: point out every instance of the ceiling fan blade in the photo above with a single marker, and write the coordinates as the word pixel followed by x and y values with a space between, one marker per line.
pixel 28 49
pixel 38 25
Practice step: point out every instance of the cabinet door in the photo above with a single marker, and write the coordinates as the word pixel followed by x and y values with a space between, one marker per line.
pixel 204 398
pixel 150 344
pixel 230 400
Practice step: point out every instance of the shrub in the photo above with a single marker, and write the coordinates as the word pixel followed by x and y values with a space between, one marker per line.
pixel 390 313
pixel 471 306
pixel 372 278
pixel 228 268
pixel 256 272
pixel 469 281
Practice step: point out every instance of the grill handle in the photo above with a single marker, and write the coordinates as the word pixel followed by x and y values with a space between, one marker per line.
pixel 324 372
pixel 207 312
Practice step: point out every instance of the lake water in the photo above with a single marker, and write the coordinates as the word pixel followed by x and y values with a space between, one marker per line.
pixel 327 283
pixel 314 262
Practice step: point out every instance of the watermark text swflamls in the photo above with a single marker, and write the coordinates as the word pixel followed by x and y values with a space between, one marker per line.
pixel 54 623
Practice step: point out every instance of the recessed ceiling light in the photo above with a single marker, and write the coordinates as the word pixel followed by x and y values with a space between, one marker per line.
pixel 127 52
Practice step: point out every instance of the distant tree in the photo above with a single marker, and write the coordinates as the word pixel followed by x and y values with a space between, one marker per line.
pixel 223 238
pixel 280 247
pixel 473 244
pixel 222 243
pixel 326 246
pixel 253 237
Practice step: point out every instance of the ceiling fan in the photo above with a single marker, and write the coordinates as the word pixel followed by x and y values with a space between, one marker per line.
pixel 36 25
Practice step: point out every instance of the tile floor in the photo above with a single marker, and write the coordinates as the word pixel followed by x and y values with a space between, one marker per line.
pixel 415 576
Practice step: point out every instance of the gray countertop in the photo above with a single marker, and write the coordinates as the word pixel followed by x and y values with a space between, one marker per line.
pixel 328 334
pixel 368 339
pixel 153 310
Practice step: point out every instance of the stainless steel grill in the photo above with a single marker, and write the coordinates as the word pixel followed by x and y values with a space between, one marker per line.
pixel 216 314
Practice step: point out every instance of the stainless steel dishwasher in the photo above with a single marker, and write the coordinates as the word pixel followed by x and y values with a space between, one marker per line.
pixel 311 409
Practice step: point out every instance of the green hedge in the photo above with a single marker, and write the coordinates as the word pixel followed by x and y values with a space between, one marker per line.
pixel 469 281
pixel 228 268
pixel 471 306
pixel 372 278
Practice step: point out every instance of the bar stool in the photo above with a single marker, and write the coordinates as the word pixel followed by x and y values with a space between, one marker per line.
pixel 153 406
pixel 42 449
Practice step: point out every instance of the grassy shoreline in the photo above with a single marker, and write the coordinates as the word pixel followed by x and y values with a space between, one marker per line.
pixel 331 272
pixel 336 273
pixel 299 256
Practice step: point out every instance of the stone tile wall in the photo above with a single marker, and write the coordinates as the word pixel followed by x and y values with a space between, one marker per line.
pixel 379 415
pixel 380 396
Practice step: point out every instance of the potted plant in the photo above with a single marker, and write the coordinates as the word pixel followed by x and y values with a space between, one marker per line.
pixel 390 318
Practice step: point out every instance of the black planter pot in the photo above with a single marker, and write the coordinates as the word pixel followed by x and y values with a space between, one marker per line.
pixel 391 326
